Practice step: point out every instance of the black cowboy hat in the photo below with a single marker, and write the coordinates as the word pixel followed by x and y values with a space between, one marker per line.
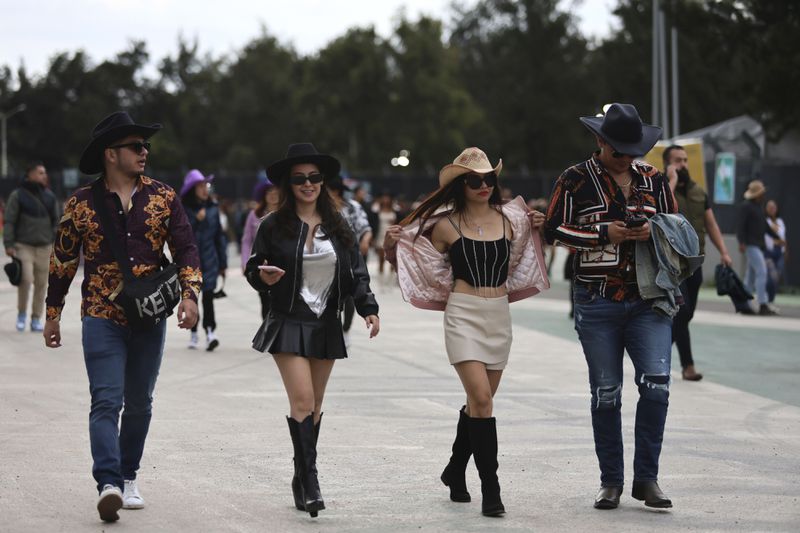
pixel 622 128
pixel 14 271
pixel 304 153
pixel 112 128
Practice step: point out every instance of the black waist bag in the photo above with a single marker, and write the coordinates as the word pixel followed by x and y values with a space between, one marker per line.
pixel 147 300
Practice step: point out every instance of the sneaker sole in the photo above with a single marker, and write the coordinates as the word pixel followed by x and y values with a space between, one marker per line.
pixel 108 507
pixel 133 506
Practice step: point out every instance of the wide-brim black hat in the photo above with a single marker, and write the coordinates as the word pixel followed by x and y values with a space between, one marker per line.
pixel 112 128
pixel 14 271
pixel 303 153
pixel 622 128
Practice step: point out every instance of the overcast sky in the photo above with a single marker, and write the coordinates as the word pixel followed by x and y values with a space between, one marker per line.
pixel 32 31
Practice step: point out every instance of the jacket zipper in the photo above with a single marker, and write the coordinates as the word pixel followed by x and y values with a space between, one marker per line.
pixel 296 255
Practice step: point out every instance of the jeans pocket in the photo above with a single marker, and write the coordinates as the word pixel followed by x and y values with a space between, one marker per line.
pixel 582 295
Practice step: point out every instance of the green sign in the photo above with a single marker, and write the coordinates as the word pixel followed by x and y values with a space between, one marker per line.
pixel 724 178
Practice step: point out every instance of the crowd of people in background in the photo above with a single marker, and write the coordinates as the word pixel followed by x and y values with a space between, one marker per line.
pixel 239 218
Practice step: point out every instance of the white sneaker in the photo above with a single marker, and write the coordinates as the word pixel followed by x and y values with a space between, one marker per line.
pixel 211 340
pixel 109 503
pixel 194 341
pixel 131 499
pixel 21 322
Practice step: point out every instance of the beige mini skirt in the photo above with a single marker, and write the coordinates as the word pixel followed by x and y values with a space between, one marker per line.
pixel 477 329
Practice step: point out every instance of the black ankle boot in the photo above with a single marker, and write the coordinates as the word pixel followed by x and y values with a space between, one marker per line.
pixel 453 475
pixel 483 439
pixel 651 494
pixel 607 498
pixel 305 452
pixel 297 489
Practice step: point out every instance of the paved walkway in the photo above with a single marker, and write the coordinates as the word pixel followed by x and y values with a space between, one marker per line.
pixel 218 457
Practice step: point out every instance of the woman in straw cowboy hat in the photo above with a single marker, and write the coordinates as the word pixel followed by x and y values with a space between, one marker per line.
pixel 465 252
pixel 307 257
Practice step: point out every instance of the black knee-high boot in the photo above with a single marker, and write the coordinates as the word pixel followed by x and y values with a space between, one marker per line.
pixel 483 438
pixel 453 475
pixel 297 490
pixel 305 452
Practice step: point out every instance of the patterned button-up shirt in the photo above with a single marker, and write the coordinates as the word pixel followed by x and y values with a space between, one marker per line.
pixel 356 217
pixel 155 217
pixel 585 200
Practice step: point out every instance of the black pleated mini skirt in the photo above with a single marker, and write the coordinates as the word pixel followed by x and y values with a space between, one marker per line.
pixel 302 333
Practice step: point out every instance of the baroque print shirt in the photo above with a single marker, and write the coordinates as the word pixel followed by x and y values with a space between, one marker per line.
pixel 585 200
pixel 155 217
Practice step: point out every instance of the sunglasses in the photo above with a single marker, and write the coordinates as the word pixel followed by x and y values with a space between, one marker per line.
pixel 474 181
pixel 618 155
pixel 300 179
pixel 137 147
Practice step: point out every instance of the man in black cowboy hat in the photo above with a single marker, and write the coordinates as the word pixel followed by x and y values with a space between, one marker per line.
pixel 600 209
pixel 122 367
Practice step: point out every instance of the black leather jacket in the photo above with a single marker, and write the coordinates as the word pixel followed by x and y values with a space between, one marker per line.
pixel 352 278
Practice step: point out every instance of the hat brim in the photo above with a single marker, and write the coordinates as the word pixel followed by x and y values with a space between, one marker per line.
pixel 453 170
pixel 650 136
pixel 750 195
pixel 91 161
pixel 327 164
pixel 186 187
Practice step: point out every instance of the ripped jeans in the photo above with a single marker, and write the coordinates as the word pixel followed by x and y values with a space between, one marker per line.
pixel 606 329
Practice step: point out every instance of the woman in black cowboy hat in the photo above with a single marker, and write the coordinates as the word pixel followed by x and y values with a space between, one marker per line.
pixel 306 256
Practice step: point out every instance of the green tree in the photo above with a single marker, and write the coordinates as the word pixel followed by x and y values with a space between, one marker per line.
pixel 346 99
pixel 432 109
pixel 525 64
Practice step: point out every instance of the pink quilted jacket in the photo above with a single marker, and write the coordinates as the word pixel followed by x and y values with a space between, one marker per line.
pixel 426 278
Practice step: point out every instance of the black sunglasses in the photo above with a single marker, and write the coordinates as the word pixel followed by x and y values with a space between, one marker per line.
pixel 474 181
pixel 618 155
pixel 300 179
pixel 137 147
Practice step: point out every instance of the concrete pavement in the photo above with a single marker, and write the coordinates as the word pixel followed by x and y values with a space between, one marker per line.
pixel 218 457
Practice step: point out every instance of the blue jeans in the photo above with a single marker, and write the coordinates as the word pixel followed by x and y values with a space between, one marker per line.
pixel 606 329
pixel 755 279
pixel 122 369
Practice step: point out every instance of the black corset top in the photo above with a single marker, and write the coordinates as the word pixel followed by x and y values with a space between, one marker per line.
pixel 480 263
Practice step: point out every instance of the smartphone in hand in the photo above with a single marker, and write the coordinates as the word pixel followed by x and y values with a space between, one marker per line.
pixel 635 222
pixel 270 269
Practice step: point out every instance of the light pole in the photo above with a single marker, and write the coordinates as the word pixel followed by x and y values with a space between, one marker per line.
pixel 4 156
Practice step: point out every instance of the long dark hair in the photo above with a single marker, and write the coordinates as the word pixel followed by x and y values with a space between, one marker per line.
pixel 333 224
pixel 451 194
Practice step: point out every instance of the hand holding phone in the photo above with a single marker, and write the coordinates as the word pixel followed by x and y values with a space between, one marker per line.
pixel 271 269
pixel 270 274
pixel 635 222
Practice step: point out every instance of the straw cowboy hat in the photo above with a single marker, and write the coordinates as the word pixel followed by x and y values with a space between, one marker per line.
pixel 622 128
pixel 755 189
pixel 114 127
pixel 298 153
pixel 470 160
